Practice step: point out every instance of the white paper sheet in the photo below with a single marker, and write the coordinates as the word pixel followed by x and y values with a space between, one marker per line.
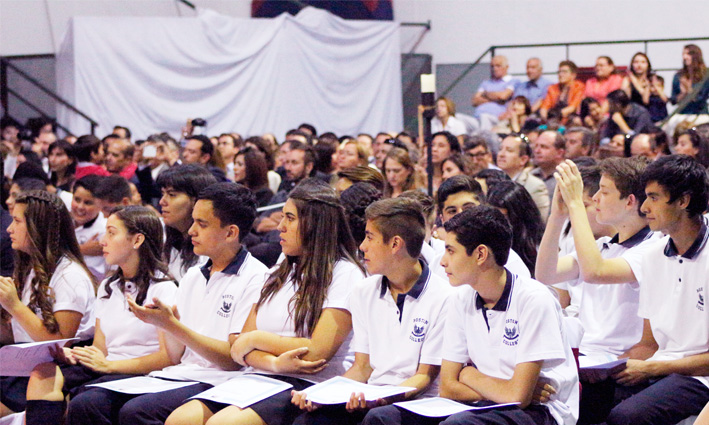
pixel 245 390
pixel 437 407
pixel 338 390
pixel 20 359
pixel 142 385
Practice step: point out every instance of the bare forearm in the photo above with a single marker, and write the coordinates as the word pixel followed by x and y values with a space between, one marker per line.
pixel 497 390
pixel 455 390
pixel 697 365
pixel 548 255
pixel 420 381
pixel 34 326
pixel 639 351
pixel 358 373
pixel 141 365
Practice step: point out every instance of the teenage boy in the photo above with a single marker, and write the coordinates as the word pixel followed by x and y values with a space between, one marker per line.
pixel 672 273
pixel 454 195
pixel 397 314
pixel 213 301
pixel 89 222
pixel 113 191
pixel 503 332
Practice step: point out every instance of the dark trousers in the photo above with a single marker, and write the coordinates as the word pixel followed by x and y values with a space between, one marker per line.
pixel 532 415
pixel 666 401
pixel 98 406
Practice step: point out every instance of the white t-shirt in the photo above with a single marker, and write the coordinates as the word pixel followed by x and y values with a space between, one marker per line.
pixel 275 316
pixel 97 228
pixel 673 290
pixel 453 126
pixel 126 336
pixel 608 313
pixel 72 290
pixel 399 335
pixel 524 326
pixel 215 306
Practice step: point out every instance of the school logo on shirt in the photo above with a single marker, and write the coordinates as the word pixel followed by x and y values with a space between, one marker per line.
pixel 511 335
pixel 419 331
pixel 700 303
pixel 226 305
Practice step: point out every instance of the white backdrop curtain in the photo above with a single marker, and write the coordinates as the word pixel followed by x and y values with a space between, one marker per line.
pixel 246 75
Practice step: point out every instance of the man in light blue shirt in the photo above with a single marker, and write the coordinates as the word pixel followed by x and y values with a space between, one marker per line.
pixel 489 101
pixel 534 89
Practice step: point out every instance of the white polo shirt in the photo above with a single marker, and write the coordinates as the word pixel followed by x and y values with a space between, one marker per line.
pixel 126 336
pixel 514 263
pixel 524 326
pixel 673 290
pixel 608 313
pixel 72 289
pixel 400 334
pixel 275 316
pixel 215 306
pixel 84 233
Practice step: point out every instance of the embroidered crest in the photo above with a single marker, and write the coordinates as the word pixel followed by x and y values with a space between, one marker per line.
pixel 226 305
pixel 700 303
pixel 511 335
pixel 419 332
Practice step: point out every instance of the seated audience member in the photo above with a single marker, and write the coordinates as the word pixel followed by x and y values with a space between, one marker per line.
pixel 351 154
pixel 605 81
pixel 477 150
pixel 384 148
pixel 326 157
pixel 300 136
pixel 456 165
pixel 626 118
pixel 222 216
pixel 377 146
pixel 51 293
pixel 365 174
pixel 428 208
pixel 563 98
pixel 228 147
pixel 123 345
pixel 302 311
pixel 308 129
pixel 180 186
pixel 549 151
pixel 644 145
pixel 200 150
pixel 527 225
pixel 579 142
pixel 443 145
pixel 395 233
pixel 489 177
pixel 592 114
pixel 119 158
pixel 20 185
pixel 492 95
pixel 645 87
pixel 412 145
pixel 693 144
pixel 122 132
pixel 155 160
pixel 89 154
pixel 503 334
pixel 251 170
pixel 401 174
pixel 62 165
pixel 355 199
pixel 89 223
pixel 112 191
pixel 456 195
pixel 513 159
pixel 445 119
pixel 535 88
pixel 518 113
pixel 689 79
pixel 672 384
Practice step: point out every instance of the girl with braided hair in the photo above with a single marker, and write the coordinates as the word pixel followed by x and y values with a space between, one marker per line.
pixel 301 320
pixel 123 345
pixel 52 293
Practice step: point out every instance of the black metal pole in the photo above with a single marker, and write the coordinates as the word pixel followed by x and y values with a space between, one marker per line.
pixel 428 113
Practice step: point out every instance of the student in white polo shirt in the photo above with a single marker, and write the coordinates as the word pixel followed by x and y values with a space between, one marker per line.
pixel 302 314
pixel 89 223
pixel 123 345
pixel 502 334
pixel 213 302
pixel 397 315
pixel 672 272
pixel 455 195
pixel 608 313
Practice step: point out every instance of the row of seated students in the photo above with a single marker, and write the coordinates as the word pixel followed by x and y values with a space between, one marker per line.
pixel 457 315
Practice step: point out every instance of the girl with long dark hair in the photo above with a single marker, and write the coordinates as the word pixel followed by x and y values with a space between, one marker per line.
pixel 51 294
pixel 123 345
pixel 180 186
pixel 302 312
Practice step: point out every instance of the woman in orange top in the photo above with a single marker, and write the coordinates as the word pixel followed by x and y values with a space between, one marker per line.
pixel 564 98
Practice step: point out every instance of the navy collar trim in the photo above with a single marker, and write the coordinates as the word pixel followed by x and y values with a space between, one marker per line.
pixel 418 287
pixel 233 267
pixel 90 223
pixel 697 246
pixel 642 235
pixel 504 302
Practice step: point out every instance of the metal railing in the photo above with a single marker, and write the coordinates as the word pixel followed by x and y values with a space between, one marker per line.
pixel 6 91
